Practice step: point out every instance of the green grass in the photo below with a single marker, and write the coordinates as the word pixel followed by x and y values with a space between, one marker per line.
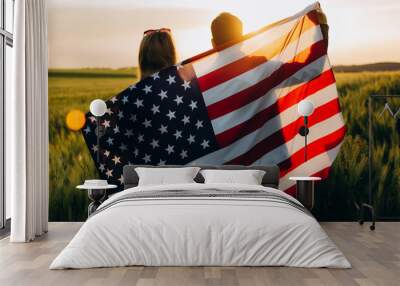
pixel 349 177
pixel 70 161
pixel 93 73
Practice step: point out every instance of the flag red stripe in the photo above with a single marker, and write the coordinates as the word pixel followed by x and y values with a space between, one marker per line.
pixel 251 60
pixel 291 191
pixel 285 134
pixel 254 92
pixel 231 135
pixel 315 148
pixel 229 71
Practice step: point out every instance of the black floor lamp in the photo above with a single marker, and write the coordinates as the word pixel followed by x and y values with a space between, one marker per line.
pixel 98 108
pixel 305 108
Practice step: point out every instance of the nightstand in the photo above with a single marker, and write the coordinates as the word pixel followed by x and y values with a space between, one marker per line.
pixel 305 190
pixel 97 191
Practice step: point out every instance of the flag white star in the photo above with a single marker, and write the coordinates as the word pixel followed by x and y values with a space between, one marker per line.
pixel 185 119
pixel 106 123
pixel 170 149
pixel 110 141
pixel 116 129
pixel 186 84
pixel 136 152
pixel 120 114
pixel 146 123
pixel 116 159
pixel 171 114
pixel 163 94
pixel 109 173
pixel 132 86
pixel 123 147
pixel 155 109
pixel 106 153
pixel 199 124
pixel 128 133
pixel 114 99
pixel 147 89
pixel 121 179
pixel 87 129
pixel 141 138
pixel 109 111
pixel 154 143
pixel 183 154
pixel 193 104
pixel 92 119
pixel 125 99
pixel 146 158
pixel 178 134
pixel 205 144
pixel 178 99
pixel 133 118
pixel 161 163
pixel 163 129
pixel 155 75
pixel 171 79
pixel 138 102
pixel 191 139
pixel 102 167
pixel 95 148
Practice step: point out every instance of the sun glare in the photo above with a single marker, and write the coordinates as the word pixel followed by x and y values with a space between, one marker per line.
pixel 75 120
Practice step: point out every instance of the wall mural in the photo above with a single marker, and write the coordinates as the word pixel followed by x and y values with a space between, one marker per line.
pixel 177 130
pixel 222 108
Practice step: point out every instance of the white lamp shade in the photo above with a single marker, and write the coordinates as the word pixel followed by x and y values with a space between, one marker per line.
pixel 305 108
pixel 98 107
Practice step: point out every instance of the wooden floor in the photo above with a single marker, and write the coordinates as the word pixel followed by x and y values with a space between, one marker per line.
pixel 375 257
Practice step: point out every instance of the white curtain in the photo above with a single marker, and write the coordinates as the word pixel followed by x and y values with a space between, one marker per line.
pixel 27 124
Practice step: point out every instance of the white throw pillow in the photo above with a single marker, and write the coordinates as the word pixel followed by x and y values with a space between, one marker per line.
pixel 247 177
pixel 166 176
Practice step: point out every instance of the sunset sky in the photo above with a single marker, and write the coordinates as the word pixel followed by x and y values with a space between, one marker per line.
pixel 104 33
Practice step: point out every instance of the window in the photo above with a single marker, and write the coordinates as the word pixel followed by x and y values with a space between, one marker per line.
pixel 9 17
pixel 6 62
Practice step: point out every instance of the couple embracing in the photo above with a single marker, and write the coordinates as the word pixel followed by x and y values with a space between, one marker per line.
pixel 157 49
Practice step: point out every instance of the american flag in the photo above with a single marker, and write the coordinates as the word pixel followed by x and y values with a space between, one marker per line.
pixel 233 105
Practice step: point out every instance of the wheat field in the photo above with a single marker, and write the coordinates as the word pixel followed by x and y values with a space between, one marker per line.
pixel 71 164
